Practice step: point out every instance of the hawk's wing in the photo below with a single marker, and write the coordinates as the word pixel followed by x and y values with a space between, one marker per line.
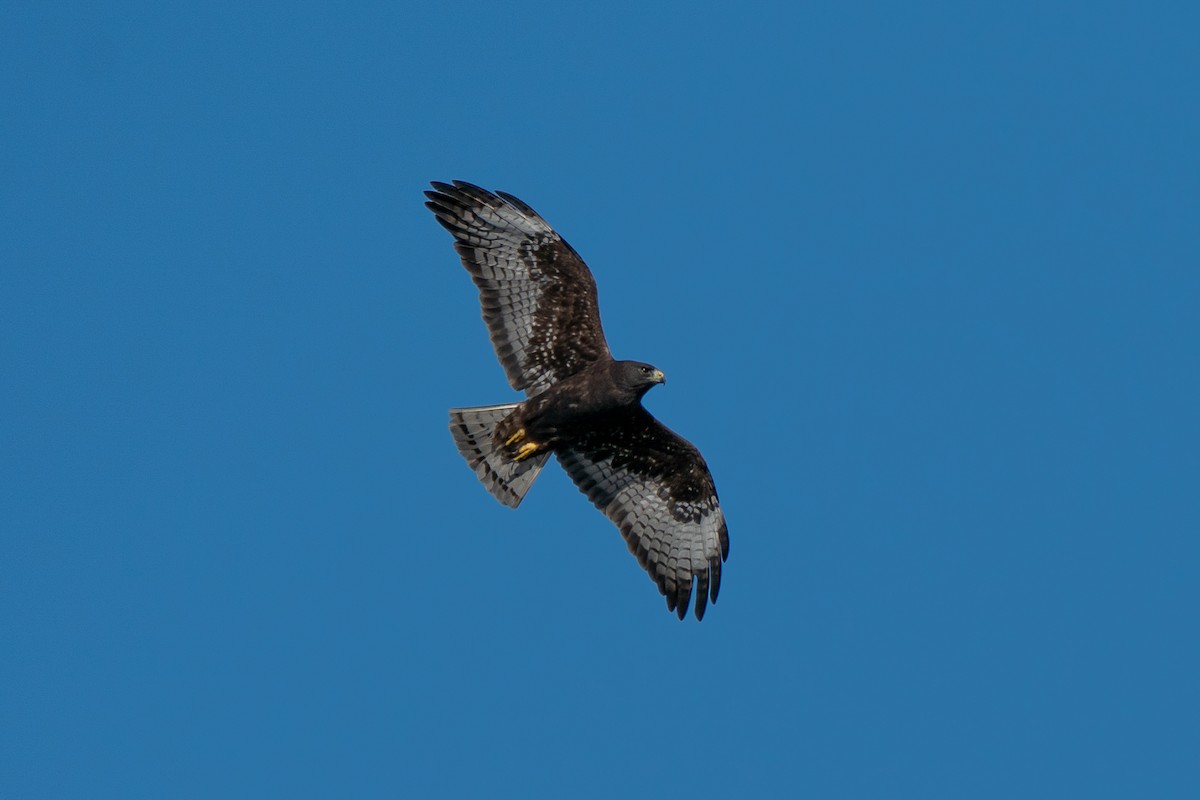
pixel 538 297
pixel 654 485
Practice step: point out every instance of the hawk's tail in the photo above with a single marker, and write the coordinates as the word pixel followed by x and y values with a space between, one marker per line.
pixel 508 480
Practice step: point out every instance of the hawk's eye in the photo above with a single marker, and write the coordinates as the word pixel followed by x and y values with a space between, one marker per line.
pixel 645 370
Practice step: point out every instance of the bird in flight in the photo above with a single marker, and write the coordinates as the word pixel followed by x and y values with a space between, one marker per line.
pixel 582 406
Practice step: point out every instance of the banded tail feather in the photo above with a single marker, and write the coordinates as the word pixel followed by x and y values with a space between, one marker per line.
pixel 508 480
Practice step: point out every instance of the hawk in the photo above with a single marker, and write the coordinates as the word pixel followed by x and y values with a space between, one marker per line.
pixel 584 407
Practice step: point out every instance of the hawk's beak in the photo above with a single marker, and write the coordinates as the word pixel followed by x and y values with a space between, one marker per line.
pixel 659 377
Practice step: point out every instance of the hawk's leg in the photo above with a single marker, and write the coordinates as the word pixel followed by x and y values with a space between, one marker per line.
pixel 526 450
pixel 516 437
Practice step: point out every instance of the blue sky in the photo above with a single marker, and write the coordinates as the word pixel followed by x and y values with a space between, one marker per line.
pixel 924 279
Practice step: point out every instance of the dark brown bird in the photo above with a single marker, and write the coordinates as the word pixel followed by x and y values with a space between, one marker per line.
pixel 539 303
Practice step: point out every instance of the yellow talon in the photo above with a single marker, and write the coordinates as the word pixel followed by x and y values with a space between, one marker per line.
pixel 527 449
pixel 516 437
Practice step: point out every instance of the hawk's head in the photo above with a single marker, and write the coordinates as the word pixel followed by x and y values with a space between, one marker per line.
pixel 638 377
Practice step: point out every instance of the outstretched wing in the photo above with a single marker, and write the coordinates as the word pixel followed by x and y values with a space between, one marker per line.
pixel 538 297
pixel 654 485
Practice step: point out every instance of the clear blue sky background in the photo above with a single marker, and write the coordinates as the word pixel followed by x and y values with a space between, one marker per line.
pixel 924 277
